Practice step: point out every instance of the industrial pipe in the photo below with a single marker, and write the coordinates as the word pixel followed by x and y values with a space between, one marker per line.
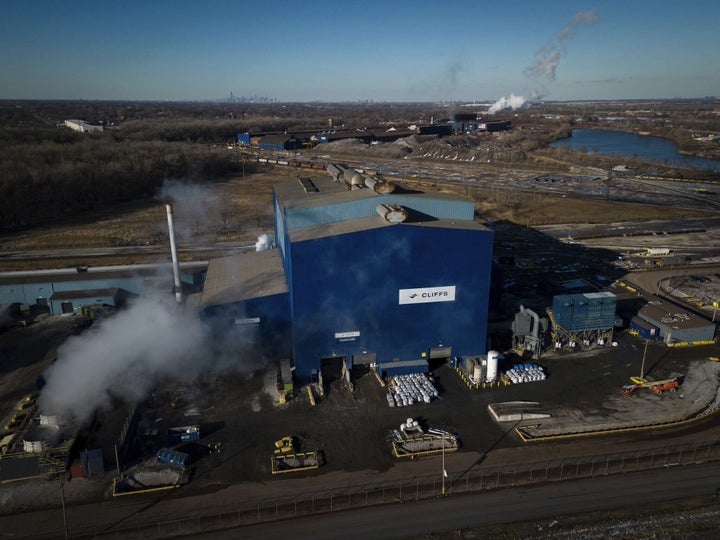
pixel 391 213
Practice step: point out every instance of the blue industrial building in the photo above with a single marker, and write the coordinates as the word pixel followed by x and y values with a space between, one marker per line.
pixel 280 142
pixel 394 278
pixel 64 290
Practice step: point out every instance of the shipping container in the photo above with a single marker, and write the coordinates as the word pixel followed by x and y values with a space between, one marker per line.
pixel 173 457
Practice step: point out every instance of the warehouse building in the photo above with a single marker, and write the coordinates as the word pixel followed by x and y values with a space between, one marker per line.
pixel 280 142
pixel 392 278
pixel 669 323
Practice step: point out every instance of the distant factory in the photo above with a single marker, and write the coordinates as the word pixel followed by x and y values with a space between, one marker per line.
pixel 365 274
pixel 466 123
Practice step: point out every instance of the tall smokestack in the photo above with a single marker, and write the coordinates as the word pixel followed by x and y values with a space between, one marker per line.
pixel 173 251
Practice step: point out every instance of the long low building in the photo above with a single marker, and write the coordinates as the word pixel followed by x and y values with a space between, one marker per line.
pixel 398 279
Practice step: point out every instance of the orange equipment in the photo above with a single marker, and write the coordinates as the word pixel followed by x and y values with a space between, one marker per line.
pixel 658 387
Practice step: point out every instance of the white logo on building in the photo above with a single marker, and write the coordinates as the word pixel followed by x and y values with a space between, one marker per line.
pixel 426 295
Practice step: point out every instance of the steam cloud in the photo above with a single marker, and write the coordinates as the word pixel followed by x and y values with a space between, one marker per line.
pixel 122 359
pixel 513 102
pixel 546 60
pixel 548 57
pixel 194 205
pixel 264 241
pixel 125 356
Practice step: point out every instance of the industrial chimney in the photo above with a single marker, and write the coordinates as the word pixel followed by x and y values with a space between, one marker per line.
pixel 173 251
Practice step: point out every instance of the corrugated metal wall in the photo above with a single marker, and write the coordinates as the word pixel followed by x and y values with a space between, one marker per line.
pixel 590 311
pixel 271 336
pixel 28 293
pixel 345 294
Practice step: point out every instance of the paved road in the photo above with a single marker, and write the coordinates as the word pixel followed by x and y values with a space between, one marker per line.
pixel 410 520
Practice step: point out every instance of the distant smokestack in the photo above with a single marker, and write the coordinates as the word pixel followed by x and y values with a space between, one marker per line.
pixel 173 251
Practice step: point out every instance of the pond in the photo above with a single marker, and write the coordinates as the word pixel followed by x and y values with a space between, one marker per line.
pixel 620 143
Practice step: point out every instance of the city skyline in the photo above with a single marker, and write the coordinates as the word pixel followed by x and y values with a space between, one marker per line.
pixel 325 51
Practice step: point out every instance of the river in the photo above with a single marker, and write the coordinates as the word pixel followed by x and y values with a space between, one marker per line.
pixel 621 143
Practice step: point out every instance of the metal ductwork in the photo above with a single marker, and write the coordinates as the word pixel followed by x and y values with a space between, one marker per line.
pixel 334 171
pixel 379 186
pixel 354 179
pixel 392 213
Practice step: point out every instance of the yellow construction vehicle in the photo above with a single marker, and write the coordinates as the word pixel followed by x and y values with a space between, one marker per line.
pixel 286 445
pixel 288 459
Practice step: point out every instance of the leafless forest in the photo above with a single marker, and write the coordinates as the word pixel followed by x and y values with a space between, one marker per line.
pixel 50 174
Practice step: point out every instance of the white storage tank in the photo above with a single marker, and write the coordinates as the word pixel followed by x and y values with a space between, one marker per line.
pixel 493 357
pixel 477 373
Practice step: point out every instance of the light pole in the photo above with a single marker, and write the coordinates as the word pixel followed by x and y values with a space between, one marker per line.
pixel 642 365
pixel 64 513
pixel 444 472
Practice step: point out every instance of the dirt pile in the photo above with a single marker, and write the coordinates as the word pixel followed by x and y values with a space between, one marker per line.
pixel 485 149
pixel 482 149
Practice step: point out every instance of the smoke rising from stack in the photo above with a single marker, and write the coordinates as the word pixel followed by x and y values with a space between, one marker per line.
pixel 513 102
pixel 547 59
pixel 195 206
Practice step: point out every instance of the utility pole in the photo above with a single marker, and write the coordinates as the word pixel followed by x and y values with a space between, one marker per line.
pixel 642 366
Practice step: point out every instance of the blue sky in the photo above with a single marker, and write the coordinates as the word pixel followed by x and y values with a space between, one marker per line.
pixel 346 51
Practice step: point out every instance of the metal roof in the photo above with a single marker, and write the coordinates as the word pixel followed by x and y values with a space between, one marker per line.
pixel 283 137
pixel 96 272
pixel 670 315
pixel 88 293
pixel 243 277
pixel 375 222
pixel 292 195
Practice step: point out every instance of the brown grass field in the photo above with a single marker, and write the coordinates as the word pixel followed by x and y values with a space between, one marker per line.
pixel 237 209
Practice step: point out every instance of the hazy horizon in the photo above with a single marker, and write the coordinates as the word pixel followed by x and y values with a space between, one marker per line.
pixel 326 52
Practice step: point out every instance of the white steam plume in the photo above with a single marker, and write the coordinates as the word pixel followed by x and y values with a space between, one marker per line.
pixel 513 102
pixel 264 241
pixel 195 206
pixel 546 62
pixel 548 57
pixel 125 356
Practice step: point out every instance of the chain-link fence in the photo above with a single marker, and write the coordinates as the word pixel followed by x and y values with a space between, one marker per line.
pixel 475 479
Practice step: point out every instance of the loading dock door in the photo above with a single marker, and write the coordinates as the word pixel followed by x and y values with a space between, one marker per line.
pixel 437 356
pixel 440 352
pixel 332 369
pixel 67 307
pixel 361 364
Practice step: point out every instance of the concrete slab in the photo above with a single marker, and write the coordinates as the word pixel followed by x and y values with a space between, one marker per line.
pixel 514 411
pixel 697 395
